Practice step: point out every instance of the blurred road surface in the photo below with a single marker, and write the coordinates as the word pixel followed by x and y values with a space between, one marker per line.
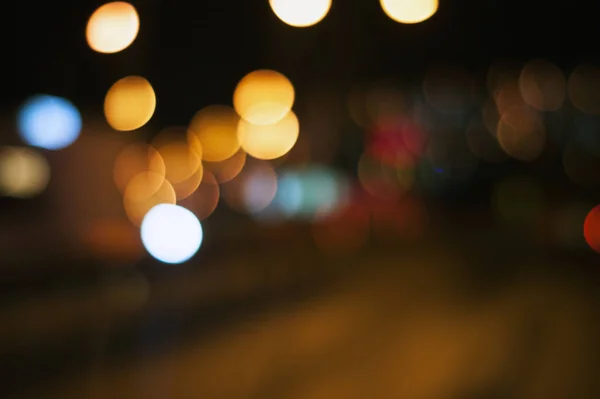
pixel 408 324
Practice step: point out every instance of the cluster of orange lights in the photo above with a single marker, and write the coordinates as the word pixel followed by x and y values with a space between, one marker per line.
pixel 230 152
pixel 193 165
pixel 187 164
pixel 199 163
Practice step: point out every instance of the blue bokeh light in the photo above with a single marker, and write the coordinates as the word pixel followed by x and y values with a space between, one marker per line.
pixel 49 122
pixel 289 193
pixel 309 193
pixel 322 190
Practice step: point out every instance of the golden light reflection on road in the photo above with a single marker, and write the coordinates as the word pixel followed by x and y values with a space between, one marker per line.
pixel 384 331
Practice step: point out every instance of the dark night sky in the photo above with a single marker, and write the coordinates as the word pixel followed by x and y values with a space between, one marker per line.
pixel 194 52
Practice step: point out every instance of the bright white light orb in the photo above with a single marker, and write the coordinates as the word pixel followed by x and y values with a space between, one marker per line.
pixel 171 233
pixel 300 13
pixel 112 27
pixel 49 122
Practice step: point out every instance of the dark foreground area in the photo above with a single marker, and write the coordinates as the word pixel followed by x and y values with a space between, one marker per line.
pixel 453 316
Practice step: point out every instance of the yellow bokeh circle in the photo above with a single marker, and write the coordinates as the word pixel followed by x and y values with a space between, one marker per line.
pixel 134 159
pixel 181 161
pixel 215 127
pixel 112 27
pixel 129 103
pixel 144 192
pixel 263 97
pixel 228 169
pixel 269 141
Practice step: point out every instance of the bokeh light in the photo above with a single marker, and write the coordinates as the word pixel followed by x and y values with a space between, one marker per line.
pixel 112 27
pixel 263 97
pixel 399 141
pixel 591 229
pixel 181 161
pixel 468 256
pixel 187 187
pixel 409 11
pixel 129 103
pixel 300 13
pixel 259 189
pixel 253 189
pixel 543 85
pixel 269 141
pixel 171 233
pixel 215 127
pixel 522 134
pixel 205 199
pixel 288 198
pixel 49 122
pixel 24 172
pixel 504 89
pixel 508 96
pixel 228 169
pixel 584 88
pixel 134 159
pixel 178 134
pixel 311 193
pixel 145 191
pixel 324 192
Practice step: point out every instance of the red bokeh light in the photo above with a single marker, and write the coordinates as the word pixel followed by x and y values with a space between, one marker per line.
pixel 399 143
pixel 591 229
